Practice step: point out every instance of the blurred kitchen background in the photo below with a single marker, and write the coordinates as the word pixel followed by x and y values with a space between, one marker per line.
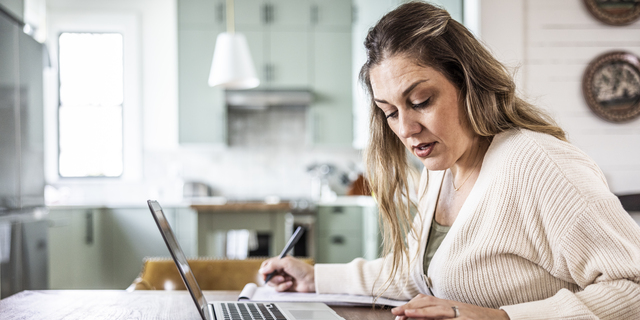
pixel 105 104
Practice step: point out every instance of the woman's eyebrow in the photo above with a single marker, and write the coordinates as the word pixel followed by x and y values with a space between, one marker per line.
pixel 413 86
pixel 405 92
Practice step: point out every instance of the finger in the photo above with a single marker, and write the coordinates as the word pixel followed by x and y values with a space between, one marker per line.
pixel 278 279
pixel 264 271
pixel 271 264
pixel 284 286
pixel 439 311
pixel 419 301
pixel 398 311
pixel 275 280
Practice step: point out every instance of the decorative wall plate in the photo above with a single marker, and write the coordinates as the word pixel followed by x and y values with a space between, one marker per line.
pixel 614 12
pixel 611 86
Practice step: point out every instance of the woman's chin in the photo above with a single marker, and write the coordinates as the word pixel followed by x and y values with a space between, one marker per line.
pixel 430 164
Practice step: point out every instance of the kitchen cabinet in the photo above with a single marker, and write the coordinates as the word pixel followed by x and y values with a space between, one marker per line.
pixel 201 111
pixel 346 232
pixel 79 256
pixel 278 36
pixel 331 115
pixel 103 248
pixel 294 44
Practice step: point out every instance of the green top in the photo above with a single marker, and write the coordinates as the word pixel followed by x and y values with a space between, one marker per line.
pixel 436 235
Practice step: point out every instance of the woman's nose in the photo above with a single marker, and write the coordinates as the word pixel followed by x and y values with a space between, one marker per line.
pixel 407 124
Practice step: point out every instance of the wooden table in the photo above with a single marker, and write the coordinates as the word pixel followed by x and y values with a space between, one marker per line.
pixel 120 304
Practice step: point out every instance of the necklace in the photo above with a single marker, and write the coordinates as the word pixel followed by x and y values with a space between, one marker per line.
pixel 465 180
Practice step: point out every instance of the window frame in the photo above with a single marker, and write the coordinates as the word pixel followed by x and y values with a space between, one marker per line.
pixel 126 24
pixel 59 149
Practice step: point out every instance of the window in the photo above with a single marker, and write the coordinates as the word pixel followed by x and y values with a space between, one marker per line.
pixel 90 112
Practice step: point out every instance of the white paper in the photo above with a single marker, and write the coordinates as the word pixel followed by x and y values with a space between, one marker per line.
pixel 268 294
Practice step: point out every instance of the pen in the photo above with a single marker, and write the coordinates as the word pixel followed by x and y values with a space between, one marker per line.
pixel 292 242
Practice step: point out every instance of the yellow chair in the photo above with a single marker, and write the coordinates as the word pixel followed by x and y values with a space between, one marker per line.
pixel 212 274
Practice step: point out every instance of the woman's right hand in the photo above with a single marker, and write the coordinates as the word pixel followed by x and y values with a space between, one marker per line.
pixel 291 274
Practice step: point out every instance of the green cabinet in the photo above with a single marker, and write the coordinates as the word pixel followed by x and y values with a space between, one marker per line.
pixel 293 43
pixel 103 248
pixel 331 115
pixel 78 255
pixel 201 109
pixel 346 232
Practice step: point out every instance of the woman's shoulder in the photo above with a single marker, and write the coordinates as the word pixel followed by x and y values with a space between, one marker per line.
pixel 546 158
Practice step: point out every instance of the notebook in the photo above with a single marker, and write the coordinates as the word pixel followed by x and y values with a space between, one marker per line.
pixel 233 310
pixel 252 292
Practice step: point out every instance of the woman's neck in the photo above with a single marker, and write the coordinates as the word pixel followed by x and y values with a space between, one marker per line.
pixel 466 166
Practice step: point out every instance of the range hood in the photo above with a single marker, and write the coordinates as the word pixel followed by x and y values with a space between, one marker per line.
pixel 262 99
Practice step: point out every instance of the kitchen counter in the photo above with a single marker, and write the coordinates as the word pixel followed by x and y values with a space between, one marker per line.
pixel 223 204
pixel 242 207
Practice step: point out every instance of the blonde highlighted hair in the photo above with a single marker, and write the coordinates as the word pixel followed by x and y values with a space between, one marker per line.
pixel 428 35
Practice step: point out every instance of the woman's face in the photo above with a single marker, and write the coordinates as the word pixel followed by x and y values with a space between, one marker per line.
pixel 423 108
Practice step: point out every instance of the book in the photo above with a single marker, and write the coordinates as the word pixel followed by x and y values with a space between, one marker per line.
pixel 252 292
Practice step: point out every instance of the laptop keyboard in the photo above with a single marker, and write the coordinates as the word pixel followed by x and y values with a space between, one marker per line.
pixel 251 311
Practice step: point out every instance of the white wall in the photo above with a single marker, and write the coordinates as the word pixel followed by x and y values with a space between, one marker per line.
pixel 158 61
pixel 552 41
pixel 150 117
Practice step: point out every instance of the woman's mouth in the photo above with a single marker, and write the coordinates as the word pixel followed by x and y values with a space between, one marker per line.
pixel 424 149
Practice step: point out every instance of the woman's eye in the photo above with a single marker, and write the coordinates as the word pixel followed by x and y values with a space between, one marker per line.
pixel 392 115
pixel 421 104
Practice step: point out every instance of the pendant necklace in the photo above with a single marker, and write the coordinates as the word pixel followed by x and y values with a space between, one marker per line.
pixel 465 180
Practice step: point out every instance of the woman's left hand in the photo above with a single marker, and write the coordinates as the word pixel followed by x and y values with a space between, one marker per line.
pixel 429 307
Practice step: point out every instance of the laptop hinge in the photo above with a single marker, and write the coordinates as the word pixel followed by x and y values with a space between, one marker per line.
pixel 208 312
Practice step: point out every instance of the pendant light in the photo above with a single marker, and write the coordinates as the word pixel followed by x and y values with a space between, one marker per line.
pixel 232 67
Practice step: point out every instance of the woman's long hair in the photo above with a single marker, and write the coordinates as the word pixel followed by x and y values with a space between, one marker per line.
pixel 429 36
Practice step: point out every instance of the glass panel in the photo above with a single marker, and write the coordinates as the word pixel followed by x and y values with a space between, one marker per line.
pixel 90 141
pixel 91 98
pixel 91 69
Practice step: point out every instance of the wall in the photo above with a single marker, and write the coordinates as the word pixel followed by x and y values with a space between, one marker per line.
pixel 551 42
pixel 152 125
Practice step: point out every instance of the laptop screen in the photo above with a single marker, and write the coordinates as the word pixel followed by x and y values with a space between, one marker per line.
pixel 178 257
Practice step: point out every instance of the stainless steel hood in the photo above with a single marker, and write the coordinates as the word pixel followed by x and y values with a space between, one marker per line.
pixel 262 99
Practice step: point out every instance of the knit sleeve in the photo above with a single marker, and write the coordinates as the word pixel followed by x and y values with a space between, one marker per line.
pixel 600 252
pixel 362 277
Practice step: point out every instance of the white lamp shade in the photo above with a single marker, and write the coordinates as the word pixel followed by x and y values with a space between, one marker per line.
pixel 232 67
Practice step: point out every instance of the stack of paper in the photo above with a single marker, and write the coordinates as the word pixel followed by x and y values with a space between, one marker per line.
pixel 252 292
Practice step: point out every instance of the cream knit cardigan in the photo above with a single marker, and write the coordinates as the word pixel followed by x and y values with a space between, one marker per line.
pixel 540 236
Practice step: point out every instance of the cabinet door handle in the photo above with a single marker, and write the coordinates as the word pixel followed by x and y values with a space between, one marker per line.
pixel 267 13
pixel 88 238
pixel 271 13
pixel 220 12
pixel 354 14
pixel 268 72
pixel 337 210
pixel 314 14
pixel 337 240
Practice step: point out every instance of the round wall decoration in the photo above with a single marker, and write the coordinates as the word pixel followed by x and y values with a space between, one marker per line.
pixel 614 12
pixel 611 86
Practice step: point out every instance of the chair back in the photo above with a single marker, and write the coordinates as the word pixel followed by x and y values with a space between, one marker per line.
pixel 211 274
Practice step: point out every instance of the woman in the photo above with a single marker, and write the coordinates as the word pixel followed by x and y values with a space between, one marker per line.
pixel 513 222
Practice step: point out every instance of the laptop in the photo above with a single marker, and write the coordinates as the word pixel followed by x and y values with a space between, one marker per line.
pixel 233 310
